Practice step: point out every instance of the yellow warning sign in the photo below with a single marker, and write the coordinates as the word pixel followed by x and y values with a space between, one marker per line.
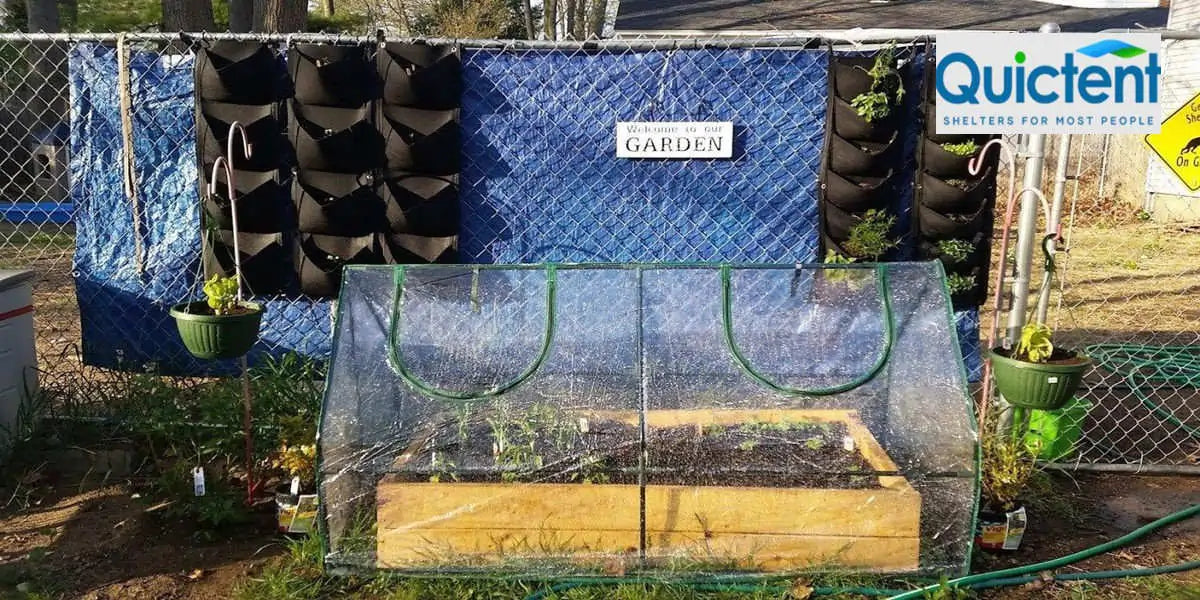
pixel 1178 143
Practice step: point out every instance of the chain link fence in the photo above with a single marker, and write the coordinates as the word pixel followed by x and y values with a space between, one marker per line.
pixel 1129 281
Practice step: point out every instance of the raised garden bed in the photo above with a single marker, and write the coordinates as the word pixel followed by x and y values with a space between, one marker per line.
pixel 748 489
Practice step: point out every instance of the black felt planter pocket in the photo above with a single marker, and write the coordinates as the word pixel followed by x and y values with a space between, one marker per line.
pixel 421 76
pixel 332 75
pixel 335 139
pixel 265 260
pixel 239 73
pixel 851 76
pixel 847 124
pixel 263 130
pixel 320 258
pixel 857 194
pixel 422 205
pixel 838 222
pixel 935 225
pixel 403 248
pixel 942 163
pixel 342 204
pixel 859 158
pixel 426 141
pixel 946 197
pixel 262 203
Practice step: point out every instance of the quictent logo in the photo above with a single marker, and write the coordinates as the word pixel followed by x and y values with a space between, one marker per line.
pixel 1048 83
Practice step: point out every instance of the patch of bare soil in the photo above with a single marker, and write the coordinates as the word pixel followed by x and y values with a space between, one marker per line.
pixel 103 544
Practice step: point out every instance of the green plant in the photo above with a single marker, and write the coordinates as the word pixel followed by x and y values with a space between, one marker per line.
pixel 959 183
pixel 869 237
pixel 958 284
pixel 221 294
pixel 1035 344
pixel 955 251
pixel 967 148
pixel 875 103
pixel 219 507
pixel 946 591
pixel 872 106
pixel 1009 464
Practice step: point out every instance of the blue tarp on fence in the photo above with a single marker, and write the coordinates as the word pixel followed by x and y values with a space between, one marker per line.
pixel 539 181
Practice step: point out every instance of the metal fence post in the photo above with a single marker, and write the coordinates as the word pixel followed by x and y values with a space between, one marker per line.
pixel 1027 224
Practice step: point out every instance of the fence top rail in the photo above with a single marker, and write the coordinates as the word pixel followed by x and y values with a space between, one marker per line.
pixel 648 40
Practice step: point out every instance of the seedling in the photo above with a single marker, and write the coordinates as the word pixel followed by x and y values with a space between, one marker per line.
pixel 814 443
pixel 967 148
pixel 1035 344
pixel 221 294
pixel 875 104
pixel 955 251
pixel 869 237
pixel 958 284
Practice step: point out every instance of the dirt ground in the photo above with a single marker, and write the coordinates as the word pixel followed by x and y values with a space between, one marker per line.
pixel 103 544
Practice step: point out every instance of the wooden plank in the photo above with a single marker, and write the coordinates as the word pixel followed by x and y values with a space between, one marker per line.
pixel 671 550
pixel 552 506
pixel 866 512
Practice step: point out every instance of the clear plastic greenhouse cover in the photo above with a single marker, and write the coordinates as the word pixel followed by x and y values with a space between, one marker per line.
pixel 605 419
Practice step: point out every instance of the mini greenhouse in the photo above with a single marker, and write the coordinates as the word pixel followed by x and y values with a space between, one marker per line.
pixel 573 419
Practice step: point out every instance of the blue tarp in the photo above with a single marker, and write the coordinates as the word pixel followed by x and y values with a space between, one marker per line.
pixel 123 305
pixel 539 182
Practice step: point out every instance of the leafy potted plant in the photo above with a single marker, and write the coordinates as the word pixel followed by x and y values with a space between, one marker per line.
pixel 220 327
pixel 1035 374
pixel 1009 464
pixel 296 500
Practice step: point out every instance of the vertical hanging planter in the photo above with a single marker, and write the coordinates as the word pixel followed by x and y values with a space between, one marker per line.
pixel 953 207
pixel 861 156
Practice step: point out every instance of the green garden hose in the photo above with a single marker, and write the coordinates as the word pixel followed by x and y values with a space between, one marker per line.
pixel 1056 563
pixel 1004 577
pixel 1141 365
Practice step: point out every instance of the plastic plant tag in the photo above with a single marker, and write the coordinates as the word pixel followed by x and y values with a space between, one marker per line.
pixel 198 481
pixel 848 444
pixel 1051 380
pixel 295 486
pixel 1015 529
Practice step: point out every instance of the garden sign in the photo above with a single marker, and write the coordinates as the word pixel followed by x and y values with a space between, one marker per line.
pixel 677 139
pixel 1178 144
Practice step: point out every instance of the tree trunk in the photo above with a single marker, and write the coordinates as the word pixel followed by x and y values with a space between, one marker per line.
pixel 42 15
pixel 68 11
pixel 550 19
pixel 280 16
pixel 327 8
pixel 529 32
pixel 241 16
pixel 187 15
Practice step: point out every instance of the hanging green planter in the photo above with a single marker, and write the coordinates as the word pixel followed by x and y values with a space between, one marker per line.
pixel 1035 374
pixel 220 327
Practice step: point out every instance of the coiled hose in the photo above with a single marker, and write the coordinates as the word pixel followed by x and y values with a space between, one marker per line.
pixel 993 579
pixel 1142 365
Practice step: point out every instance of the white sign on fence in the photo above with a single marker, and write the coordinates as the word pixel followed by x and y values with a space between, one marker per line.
pixel 675 139
pixel 997 82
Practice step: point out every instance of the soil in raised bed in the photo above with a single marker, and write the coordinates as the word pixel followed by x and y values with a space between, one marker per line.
pixel 789 454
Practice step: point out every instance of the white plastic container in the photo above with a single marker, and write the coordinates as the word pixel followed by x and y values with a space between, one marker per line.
pixel 18 359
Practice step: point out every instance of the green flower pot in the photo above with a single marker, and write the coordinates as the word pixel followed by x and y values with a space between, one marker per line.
pixel 1041 386
pixel 212 337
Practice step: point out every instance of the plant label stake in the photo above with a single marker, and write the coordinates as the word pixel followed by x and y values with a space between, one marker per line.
pixel 198 481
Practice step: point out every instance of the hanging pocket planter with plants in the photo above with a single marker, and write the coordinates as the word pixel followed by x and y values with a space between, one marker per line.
pixel 954 206
pixel 860 159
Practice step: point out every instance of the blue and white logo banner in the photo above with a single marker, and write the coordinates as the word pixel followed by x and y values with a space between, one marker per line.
pixel 993 82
